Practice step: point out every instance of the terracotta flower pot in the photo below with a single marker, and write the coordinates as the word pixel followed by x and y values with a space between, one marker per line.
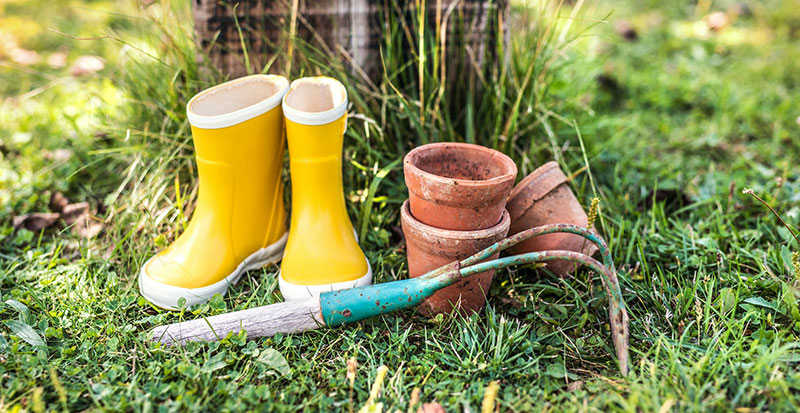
pixel 544 197
pixel 429 248
pixel 458 186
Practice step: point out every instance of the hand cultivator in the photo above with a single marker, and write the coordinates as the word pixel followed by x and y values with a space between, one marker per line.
pixel 335 308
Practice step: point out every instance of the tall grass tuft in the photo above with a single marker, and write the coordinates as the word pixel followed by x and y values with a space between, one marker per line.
pixel 157 185
pixel 434 89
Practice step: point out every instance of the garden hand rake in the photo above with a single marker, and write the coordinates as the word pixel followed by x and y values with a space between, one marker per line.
pixel 335 308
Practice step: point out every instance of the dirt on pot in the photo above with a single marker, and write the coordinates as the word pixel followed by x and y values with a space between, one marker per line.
pixel 544 197
pixel 429 248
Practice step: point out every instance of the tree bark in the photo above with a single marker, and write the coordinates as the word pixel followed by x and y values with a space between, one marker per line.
pixel 351 30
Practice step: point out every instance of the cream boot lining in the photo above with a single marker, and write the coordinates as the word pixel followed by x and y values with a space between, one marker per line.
pixel 235 96
pixel 315 95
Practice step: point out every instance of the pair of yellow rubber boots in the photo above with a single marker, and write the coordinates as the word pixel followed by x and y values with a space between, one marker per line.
pixel 239 223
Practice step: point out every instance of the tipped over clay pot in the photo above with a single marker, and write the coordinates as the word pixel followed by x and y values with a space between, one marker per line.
pixel 458 186
pixel 429 248
pixel 544 197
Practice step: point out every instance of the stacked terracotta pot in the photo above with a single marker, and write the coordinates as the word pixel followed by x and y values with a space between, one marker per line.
pixel 457 207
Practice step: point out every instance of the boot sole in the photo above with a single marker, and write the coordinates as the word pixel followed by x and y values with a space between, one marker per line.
pixel 166 296
pixel 295 292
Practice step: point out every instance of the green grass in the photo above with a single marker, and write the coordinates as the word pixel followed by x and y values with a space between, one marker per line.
pixel 674 125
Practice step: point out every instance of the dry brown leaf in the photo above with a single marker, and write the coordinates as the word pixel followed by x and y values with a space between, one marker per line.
pixel 86 65
pixel 431 408
pixel 87 228
pixel 109 252
pixel 575 385
pixel 58 155
pixel 717 21
pixel 7 43
pixel 78 217
pixel 73 213
pixel 36 221
pixel 24 57
pixel 58 201
pixel 627 31
pixel 510 301
pixel 57 60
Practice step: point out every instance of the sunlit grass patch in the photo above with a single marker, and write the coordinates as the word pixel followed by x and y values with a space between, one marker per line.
pixel 674 122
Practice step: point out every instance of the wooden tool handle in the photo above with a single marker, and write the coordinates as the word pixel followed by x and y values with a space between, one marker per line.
pixel 265 321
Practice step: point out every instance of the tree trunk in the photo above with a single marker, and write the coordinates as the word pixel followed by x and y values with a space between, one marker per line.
pixel 351 30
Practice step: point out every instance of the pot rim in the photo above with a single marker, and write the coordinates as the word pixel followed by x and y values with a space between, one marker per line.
pixel 504 160
pixel 431 231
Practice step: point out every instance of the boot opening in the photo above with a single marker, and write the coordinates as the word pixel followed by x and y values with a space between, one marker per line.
pixel 316 94
pixel 236 95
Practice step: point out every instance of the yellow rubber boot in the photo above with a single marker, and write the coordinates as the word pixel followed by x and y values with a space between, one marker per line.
pixel 239 222
pixel 322 253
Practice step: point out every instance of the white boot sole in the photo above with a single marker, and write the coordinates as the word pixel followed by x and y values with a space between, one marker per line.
pixel 166 296
pixel 295 292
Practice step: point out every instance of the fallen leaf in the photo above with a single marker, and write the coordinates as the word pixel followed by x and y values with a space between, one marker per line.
pixel 57 60
pixel 88 228
pixel 7 42
pixel 274 360
pixel 627 31
pixel 24 57
pixel 510 301
pixel 25 332
pixel 352 365
pixel 78 217
pixel 21 137
pixel 431 408
pixel 58 201
pixel 58 155
pixel 214 363
pixel 575 385
pixel 86 65
pixel 667 406
pixel 717 21
pixel 372 408
pixel 36 221
pixel 72 213
pixel 108 252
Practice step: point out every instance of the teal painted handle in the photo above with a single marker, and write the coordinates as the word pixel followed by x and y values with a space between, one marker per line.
pixel 347 306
